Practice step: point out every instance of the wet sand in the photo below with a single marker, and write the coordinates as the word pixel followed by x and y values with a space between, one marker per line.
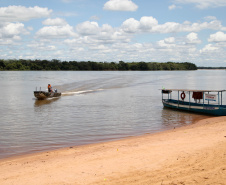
pixel 194 154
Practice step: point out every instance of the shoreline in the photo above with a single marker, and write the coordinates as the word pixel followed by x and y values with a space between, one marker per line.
pixel 189 154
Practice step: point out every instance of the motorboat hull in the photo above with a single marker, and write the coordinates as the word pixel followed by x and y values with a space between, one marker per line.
pixel 41 95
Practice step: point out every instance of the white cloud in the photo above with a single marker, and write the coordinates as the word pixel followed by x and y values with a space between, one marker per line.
pixel 166 43
pixel 162 44
pixel 192 38
pixel 12 29
pixel 91 32
pixel 11 32
pixel 21 13
pixel 150 24
pixel 203 4
pixel 217 37
pixel 169 40
pixel 56 32
pixel 131 25
pixel 106 43
pixel 209 48
pixel 147 23
pixel 54 22
pixel 120 5
pixel 168 27
pixel 88 28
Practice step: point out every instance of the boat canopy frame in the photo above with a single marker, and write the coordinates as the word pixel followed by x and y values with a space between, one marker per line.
pixel 169 92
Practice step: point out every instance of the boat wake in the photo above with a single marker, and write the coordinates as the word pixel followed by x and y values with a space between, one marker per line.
pixel 71 93
pixel 92 86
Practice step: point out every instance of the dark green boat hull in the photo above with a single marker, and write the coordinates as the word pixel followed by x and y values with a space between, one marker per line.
pixel 41 95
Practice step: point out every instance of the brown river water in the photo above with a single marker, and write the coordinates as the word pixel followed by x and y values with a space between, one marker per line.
pixel 94 106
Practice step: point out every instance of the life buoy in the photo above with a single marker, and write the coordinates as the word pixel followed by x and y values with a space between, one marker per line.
pixel 182 95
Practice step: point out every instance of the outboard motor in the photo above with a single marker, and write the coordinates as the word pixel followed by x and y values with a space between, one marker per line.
pixel 55 90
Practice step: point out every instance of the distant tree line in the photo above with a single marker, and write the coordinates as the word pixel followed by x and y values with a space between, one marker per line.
pixel 211 67
pixel 57 65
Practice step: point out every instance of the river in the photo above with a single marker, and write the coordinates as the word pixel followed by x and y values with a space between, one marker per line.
pixel 95 106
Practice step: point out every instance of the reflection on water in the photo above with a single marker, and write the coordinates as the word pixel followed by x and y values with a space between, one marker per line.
pixel 177 118
pixel 94 106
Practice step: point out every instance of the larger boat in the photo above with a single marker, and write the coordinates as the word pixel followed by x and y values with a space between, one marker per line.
pixel 198 101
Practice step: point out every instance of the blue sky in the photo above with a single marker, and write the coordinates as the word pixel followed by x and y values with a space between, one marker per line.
pixel 113 30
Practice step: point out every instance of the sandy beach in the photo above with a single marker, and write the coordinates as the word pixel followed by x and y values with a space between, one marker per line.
pixel 194 154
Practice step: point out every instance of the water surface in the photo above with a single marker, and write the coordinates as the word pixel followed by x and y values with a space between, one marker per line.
pixel 94 107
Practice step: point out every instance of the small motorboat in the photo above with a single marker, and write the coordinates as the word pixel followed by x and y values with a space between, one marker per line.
pixel 41 95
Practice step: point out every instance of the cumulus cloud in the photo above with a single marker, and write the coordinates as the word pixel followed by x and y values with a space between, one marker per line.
pixel 56 32
pixel 120 5
pixel 54 22
pixel 203 4
pixel 88 28
pixel 217 37
pixel 91 32
pixel 150 24
pixel 12 29
pixel 209 48
pixel 107 43
pixel 192 38
pixel 21 13
pixel 169 43
pixel 131 25
pixel 11 32
pixel 147 23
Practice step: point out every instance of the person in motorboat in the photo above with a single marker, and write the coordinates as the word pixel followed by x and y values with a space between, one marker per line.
pixel 50 88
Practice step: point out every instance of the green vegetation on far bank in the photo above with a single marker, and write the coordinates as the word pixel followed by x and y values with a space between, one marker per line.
pixel 57 65
pixel 211 68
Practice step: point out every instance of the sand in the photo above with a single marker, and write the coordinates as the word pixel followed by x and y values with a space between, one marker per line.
pixel 194 154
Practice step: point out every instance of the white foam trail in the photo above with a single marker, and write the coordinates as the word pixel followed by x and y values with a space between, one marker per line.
pixel 80 92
